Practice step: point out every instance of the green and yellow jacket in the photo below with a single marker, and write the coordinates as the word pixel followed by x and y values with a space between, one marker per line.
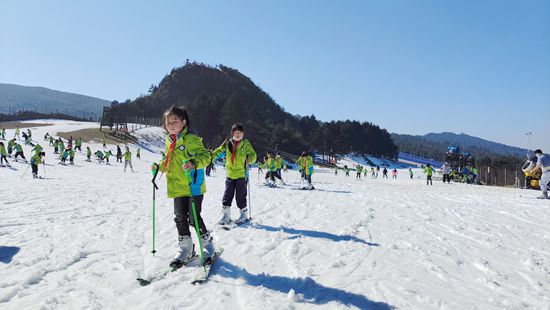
pixel 236 168
pixel 185 147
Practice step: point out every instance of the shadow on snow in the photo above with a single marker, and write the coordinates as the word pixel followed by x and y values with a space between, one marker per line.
pixel 310 291
pixel 313 234
pixel 7 253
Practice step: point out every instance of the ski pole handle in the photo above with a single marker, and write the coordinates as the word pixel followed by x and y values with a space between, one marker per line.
pixel 155 172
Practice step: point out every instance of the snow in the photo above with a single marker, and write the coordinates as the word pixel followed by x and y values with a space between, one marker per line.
pixel 79 238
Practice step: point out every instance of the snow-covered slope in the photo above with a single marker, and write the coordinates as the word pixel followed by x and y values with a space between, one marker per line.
pixel 79 238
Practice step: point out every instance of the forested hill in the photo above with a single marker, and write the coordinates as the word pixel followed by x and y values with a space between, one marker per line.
pixel 216 97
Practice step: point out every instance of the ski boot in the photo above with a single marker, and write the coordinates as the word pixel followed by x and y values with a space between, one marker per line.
pixel 186 252
pixel 243 217
pixel 207 245
pixel 226 217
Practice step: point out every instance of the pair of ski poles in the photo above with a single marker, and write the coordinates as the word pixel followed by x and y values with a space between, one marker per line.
pixel 197 230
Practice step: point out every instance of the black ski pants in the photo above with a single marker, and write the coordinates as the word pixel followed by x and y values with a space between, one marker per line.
pixel 429 180
pixel 183 211
pixel 235 188
pixel 447 178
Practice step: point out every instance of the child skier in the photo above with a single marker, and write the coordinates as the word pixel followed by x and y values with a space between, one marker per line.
pixel 359 170
pixel 19 152
pixel 429 172
pixel 128 159
pixel 11 144
pixel 185 156
pixel 306 163
pixel 99 156
pixel 64 156
pixel 394 173
pixel 270 165
pixel 88 154
pixel 239 154
pixel 3 155
pixel 106 155
pixel 35 161
pixel 279 165
pixel 71 156
pixel 78 145
pixel 138 155
pixel 119 155
pixel 385 173
pixel 411 173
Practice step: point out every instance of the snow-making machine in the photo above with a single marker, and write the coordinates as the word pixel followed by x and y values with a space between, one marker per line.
pixel 532 177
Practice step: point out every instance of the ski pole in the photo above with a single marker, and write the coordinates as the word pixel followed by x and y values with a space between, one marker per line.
pixel 247 179
pixel 197 230
pixel 25 171
pixel 155 187
pixel 249 199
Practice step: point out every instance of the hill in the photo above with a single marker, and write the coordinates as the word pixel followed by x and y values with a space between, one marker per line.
pixel 434 145
pixel 17 98
pixel 216 97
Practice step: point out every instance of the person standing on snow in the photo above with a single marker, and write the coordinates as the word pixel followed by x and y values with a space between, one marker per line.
pixel 119 155
pixel 279 165
pixel 239 153
pixel 106 155
pixel 71 156
pixel 270 165
pixel 385 173
pixel 411 173
pixel 128 159
pixel 185 155
pixel 446 172
pixel 88 154
pixel 359 170
pixel 543 162
pixel 394 173
pixel 429 172
pixel 3 155
pixel 306 163
pixel 35 161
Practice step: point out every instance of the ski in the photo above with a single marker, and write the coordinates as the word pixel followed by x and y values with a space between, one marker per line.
pixel 204 271
pixel 233 224
pixel 174 265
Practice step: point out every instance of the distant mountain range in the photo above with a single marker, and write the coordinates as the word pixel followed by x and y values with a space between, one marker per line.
pixel 17 98
pixel 434 145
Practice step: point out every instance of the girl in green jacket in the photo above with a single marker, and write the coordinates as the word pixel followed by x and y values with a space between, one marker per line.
pixel 185 153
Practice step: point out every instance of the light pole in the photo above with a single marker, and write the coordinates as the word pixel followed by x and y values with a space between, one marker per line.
pixel 529 134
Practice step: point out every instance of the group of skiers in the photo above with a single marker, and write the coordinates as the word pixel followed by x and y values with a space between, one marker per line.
pixel 64 151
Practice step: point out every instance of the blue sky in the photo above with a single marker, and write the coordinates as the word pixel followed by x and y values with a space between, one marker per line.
pixel 478 67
